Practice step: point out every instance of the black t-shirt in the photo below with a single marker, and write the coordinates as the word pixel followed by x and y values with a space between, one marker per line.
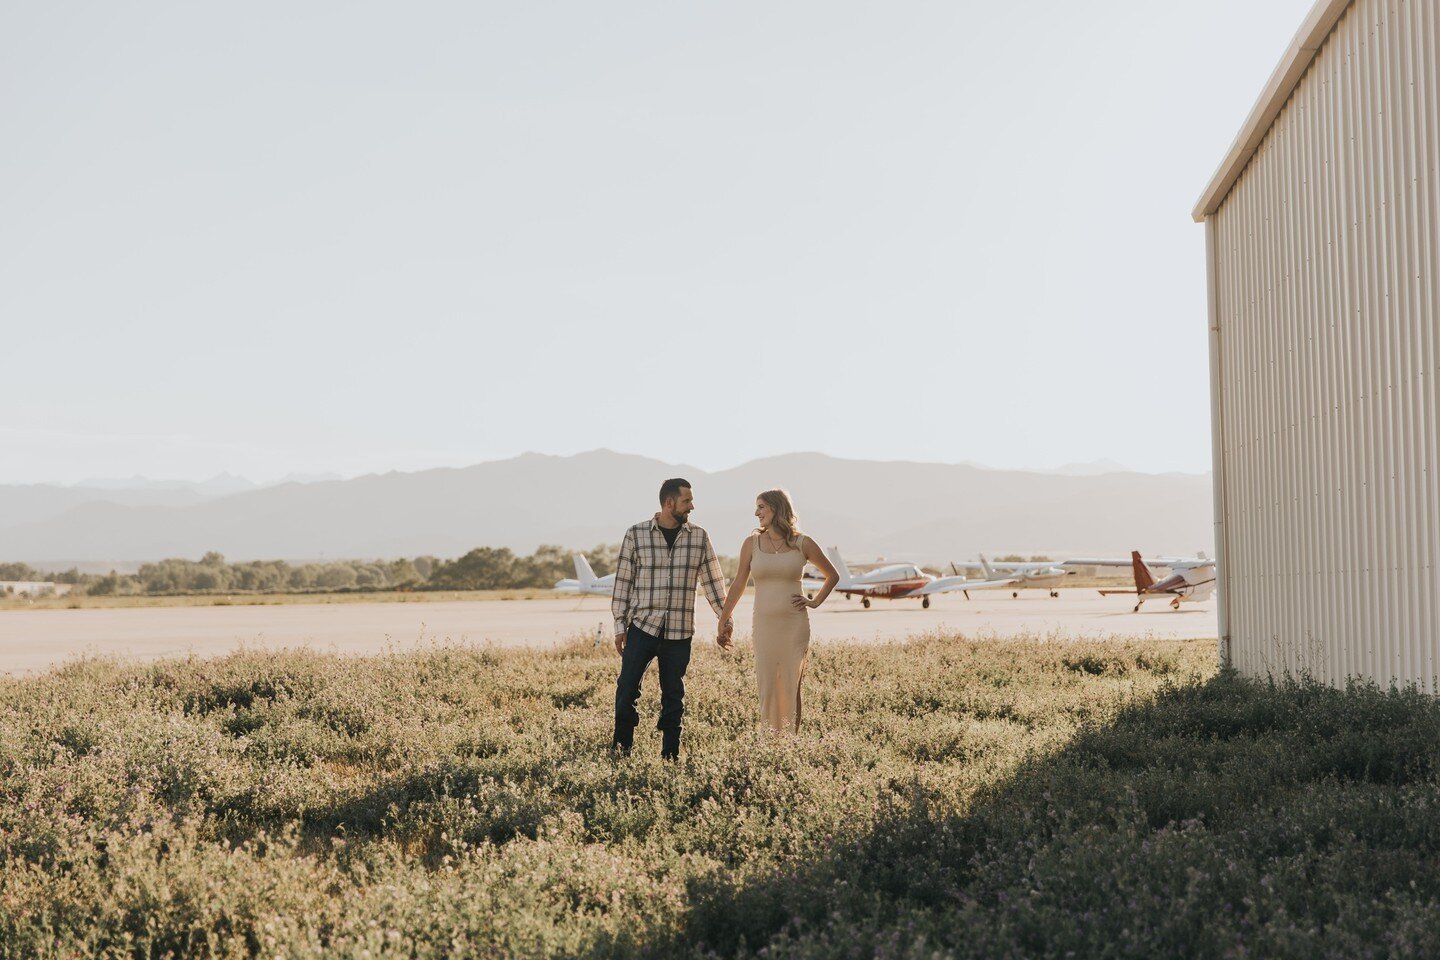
pixel 670 533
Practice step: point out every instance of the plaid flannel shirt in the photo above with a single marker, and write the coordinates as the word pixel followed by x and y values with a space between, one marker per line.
pixel 655 583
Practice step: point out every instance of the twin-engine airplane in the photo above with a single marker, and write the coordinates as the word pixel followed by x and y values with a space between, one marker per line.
pixel 897 581
pixel 1192 579
pixel 585 582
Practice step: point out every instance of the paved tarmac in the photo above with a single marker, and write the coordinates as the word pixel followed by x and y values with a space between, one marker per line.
pixel 32 641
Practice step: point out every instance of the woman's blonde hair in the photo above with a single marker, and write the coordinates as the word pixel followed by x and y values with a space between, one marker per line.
pixel 785 520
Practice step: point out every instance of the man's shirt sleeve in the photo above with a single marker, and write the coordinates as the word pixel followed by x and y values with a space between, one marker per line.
pixel 624 582
pixel 712 578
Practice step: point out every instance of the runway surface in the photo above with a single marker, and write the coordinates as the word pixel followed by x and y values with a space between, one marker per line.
pixel 32 641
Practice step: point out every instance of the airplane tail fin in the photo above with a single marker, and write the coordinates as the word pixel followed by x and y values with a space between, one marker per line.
pixel 834 554
pixel 1144 579
pixel 583 572
pixel 985 566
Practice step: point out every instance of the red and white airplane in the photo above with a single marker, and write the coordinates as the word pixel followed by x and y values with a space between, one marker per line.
pixel 896 581
pixel 1192 579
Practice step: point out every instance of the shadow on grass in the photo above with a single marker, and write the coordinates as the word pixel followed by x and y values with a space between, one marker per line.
pixel 1229 818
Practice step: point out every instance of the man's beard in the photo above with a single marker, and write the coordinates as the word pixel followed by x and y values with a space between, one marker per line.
pixel 682 517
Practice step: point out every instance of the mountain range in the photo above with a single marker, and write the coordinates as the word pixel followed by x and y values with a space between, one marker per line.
pixel 928 512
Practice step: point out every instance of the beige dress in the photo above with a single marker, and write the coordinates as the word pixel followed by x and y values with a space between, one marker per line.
pixel 781 634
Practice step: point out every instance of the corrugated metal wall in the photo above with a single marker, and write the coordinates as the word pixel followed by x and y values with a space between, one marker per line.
pixel 1324 288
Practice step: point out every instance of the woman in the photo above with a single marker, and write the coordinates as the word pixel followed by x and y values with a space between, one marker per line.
pixel 775 555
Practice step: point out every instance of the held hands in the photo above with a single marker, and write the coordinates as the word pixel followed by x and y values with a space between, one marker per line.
pixel 724 633
pixel 797 601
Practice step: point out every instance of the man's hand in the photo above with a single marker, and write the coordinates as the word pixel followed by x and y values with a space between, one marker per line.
pixel 723 635
pixel 620 643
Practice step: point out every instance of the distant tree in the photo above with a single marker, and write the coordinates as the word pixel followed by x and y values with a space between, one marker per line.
pixel 112 584
pixel 602 558
pixel 167 576
pixel 403 573
pixel 484 568
pixel 371 576
pixel 334 576
pixel 206 581
pixel 544 567
pixel 261 576
pixel 178 575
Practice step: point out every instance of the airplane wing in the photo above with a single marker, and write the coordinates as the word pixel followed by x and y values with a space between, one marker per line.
pixel 956 584
pixel 1118 562
pixel 991 584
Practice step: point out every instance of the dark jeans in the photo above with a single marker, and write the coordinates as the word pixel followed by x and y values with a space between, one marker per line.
pixel 674 657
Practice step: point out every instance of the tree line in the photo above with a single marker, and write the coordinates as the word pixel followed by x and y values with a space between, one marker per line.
pixel 484 568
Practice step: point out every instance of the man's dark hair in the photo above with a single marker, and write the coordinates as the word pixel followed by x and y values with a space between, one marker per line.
pixel 671 488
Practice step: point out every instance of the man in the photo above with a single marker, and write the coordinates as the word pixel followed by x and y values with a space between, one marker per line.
pixel 661 560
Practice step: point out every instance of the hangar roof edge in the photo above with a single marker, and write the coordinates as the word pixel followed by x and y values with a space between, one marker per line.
pixel 1308 40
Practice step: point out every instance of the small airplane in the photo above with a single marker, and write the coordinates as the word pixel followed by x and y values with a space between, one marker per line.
pixel 585 582
pixel 1191 579
pixel 896 581
pixel 1042 575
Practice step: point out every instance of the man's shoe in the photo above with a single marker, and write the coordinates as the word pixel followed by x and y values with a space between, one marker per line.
pixel 622 741
pixel 670 745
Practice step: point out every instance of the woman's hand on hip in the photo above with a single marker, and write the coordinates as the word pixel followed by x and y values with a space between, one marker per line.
pixel 797 601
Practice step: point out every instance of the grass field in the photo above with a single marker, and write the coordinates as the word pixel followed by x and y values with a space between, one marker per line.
pixel 947 798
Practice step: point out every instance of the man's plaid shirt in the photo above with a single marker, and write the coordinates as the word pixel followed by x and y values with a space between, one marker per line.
pixel 655 583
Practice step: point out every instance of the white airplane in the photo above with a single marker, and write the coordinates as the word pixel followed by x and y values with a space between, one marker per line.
pixel 585 582
pixel 896 581
pixel 1020 576
pixel 1192 579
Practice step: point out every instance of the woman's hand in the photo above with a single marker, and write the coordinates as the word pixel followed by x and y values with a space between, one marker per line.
pixel 797 601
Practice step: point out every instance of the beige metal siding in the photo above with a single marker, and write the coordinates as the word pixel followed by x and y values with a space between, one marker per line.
pixel 1324 285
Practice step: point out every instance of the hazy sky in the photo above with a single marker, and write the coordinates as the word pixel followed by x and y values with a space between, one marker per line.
pixel 354 237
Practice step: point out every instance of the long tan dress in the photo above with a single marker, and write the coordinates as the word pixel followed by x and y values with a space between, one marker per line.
pixel 781 635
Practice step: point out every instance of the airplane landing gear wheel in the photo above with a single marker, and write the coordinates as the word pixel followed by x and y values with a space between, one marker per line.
pixel 865 602
pixel 1137 608
pixel 1015 594
pixel 1175 604
pixel 1054 594
pixel 925 603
